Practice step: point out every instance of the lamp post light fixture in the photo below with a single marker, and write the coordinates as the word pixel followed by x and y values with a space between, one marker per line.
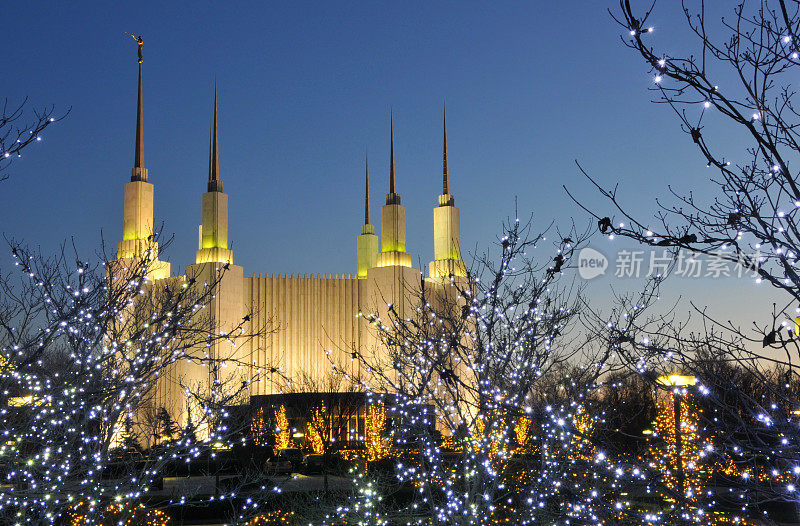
pixel 675 381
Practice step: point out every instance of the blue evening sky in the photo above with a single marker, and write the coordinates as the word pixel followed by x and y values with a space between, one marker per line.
pixel 305 88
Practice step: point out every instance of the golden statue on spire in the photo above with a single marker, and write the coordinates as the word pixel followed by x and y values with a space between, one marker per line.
pixel 140 42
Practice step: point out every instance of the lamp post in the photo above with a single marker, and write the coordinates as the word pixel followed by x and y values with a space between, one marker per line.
pixel 677 381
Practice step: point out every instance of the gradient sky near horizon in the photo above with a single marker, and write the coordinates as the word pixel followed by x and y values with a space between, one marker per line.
pixel 305 89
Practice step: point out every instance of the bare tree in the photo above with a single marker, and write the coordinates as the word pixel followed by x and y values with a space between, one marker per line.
pixel 752 220
pixel 82 348
pixel 740 405
pixel 18 130
pixel 491 385
pixel 737 78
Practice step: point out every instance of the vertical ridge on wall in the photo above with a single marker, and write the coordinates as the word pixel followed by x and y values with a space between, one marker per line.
pixel 305 315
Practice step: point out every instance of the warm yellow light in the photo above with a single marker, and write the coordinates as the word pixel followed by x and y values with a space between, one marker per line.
pixel 258 427
pixel 679 446
pixel 374 422
pixel 677 380
pixel 20 401
pixel 315 429
pixel 394 258
pixel 214 255
pixel 283 435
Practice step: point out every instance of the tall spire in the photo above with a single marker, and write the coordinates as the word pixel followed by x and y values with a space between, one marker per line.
pixel 391 153
pixel 366 193
pixel 138 173
pixel 138 239
pixel 446 225
pixel 213 247
pixel 214 182
pixel 392 198
pixel 367 243
pixel 138 161
pixel 445 177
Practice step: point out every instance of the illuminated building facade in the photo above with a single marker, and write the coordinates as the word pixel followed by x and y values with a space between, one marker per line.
pixel 307 314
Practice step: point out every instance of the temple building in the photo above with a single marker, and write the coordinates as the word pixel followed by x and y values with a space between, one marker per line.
pixel 311 317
